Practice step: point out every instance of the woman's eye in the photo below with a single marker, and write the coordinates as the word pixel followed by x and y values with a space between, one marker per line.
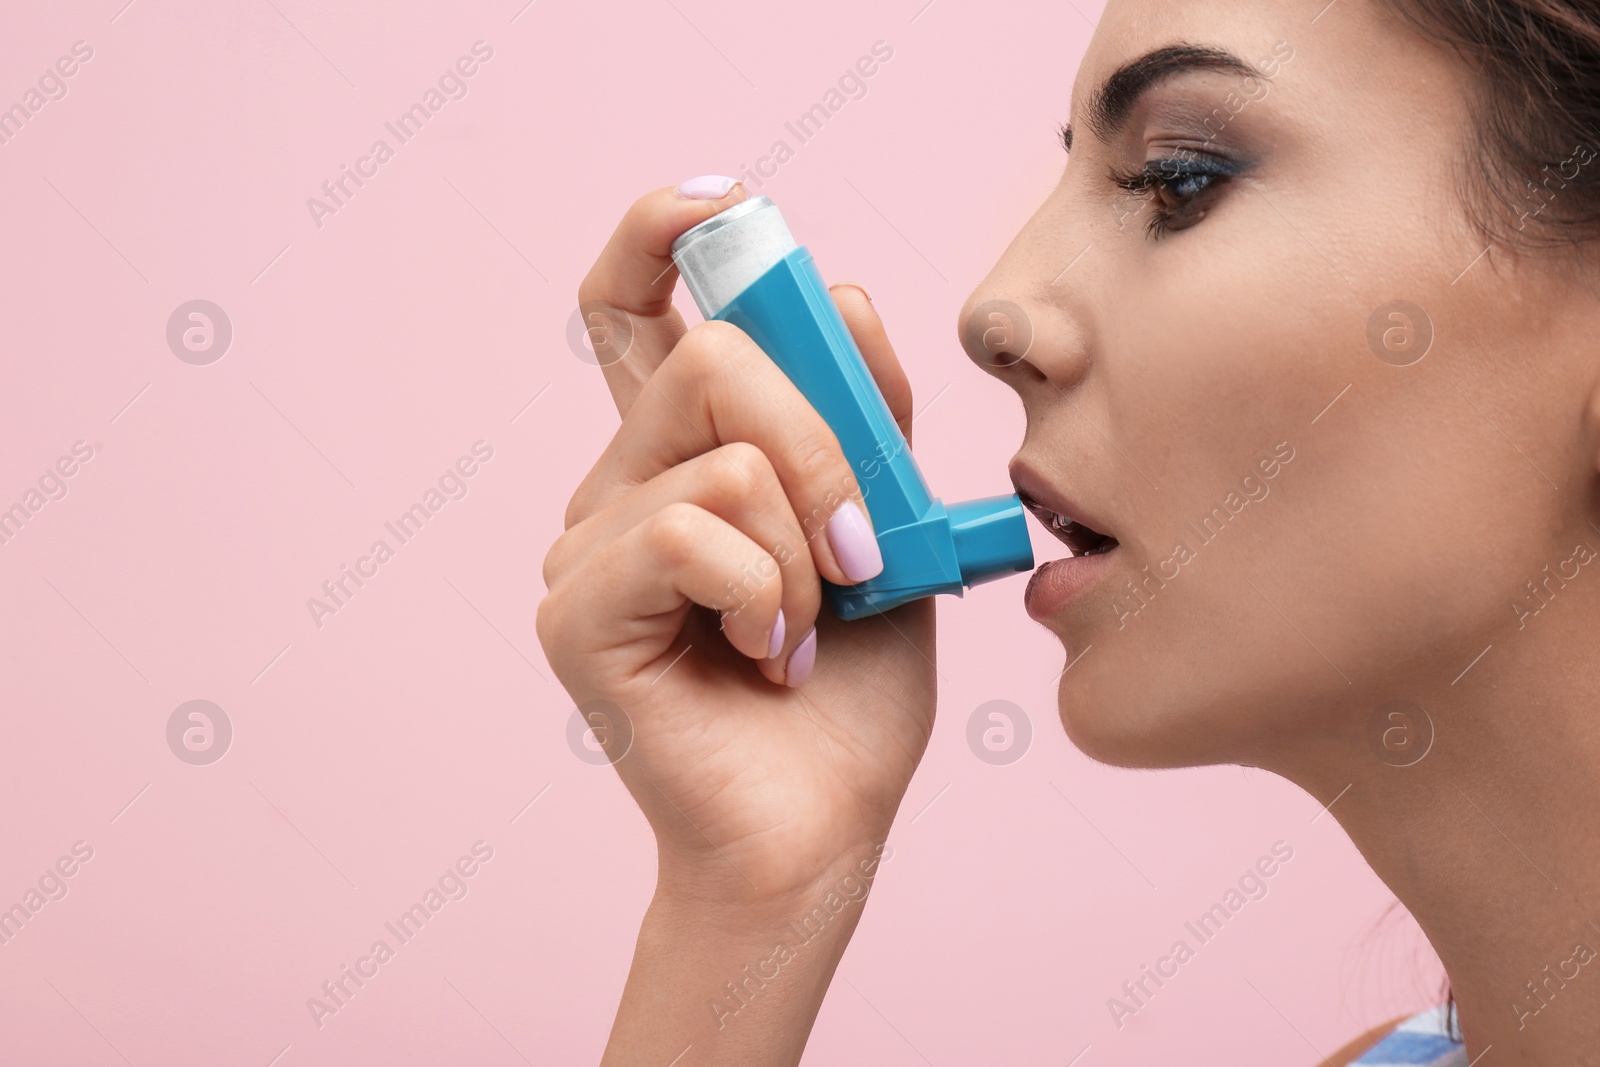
pixel 1181 190
pixel 1177 194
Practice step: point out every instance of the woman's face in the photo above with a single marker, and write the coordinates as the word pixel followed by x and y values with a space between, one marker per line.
pixel 1322 500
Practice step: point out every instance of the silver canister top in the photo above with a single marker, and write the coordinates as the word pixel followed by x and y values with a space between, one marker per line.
pixel 721 256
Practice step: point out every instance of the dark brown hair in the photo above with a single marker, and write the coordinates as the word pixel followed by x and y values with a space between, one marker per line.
pixel 1533 178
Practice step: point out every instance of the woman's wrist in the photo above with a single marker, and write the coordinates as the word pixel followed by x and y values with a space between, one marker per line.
pixel 722 891
pixel 738 980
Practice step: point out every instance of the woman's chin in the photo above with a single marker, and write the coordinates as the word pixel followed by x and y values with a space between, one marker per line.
pixel 1140 730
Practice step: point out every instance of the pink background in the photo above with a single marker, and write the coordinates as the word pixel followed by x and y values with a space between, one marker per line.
pixel 372 352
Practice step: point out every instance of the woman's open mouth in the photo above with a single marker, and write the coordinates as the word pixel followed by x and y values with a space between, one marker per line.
pixel 1057 583
pixel 1083 540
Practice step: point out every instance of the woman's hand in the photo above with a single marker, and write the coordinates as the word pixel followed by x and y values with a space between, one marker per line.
pixel 761 774
pixel 768 743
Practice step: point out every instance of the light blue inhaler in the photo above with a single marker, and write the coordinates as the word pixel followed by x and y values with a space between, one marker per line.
pixel 743 266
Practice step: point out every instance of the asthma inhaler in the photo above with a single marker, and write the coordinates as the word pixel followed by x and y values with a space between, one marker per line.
pixel 743 266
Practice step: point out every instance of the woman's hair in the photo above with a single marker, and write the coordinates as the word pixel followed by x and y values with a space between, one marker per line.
pixel 1535 178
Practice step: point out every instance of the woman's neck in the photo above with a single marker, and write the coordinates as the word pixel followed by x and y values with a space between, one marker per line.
pixel 1492 839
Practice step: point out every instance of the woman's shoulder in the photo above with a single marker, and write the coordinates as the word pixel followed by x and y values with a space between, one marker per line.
pixel 1423 1040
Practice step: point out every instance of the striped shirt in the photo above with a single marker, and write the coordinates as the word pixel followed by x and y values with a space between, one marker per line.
pixel 1421 1041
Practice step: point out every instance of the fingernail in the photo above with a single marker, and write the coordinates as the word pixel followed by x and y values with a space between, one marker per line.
pixel 858 285
pixel 707 187
pixel 775 645
pixel 802 660
pixel 854 546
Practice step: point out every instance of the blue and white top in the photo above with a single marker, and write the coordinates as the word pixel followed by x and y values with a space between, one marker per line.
pixel 1421 1041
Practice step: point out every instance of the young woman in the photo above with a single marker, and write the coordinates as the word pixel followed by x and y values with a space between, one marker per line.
pixel 1344 252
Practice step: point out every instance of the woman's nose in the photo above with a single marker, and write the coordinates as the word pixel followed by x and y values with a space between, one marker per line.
pixel 1019 339
pixel 1029 320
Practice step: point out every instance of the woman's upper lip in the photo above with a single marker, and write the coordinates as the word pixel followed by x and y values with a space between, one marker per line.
pixel 1041 498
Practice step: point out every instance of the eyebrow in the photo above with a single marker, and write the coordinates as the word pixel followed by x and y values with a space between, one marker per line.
pixel 1111 104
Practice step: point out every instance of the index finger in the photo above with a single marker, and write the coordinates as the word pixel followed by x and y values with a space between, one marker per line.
pixel 626 298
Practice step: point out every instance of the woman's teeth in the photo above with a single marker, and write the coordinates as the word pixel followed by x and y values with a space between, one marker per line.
pixel 1080 539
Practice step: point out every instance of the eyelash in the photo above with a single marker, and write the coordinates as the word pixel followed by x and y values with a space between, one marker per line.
pixel 1164 176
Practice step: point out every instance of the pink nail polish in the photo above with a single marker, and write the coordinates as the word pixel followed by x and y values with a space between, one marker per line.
pixel 775 645
pixel 707 187
pixel 854 546
pixel 802 660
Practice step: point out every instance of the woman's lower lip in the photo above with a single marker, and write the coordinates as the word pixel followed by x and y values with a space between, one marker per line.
pixel 1059 582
